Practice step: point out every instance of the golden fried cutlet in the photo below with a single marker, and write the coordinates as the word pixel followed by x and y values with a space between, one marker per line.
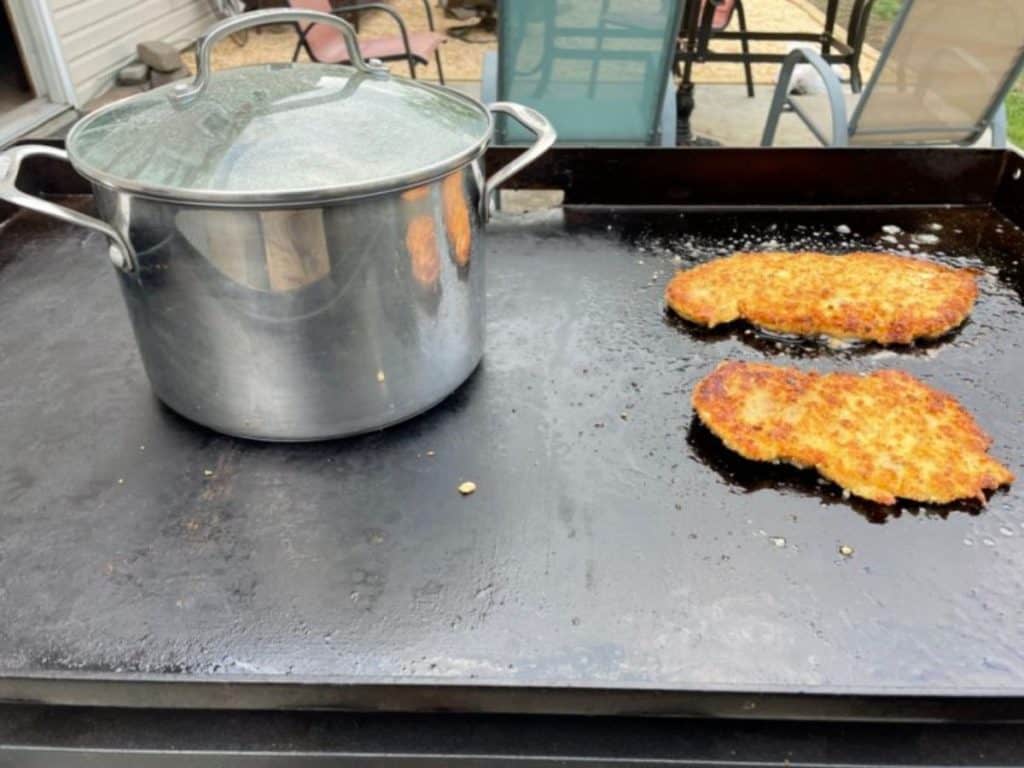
pixel 868 296
pixel 881 436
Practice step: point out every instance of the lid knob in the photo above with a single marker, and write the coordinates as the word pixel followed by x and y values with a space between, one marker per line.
pixel 378 69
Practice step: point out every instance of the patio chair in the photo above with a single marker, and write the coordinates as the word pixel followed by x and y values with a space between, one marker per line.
pixel 941 78
pixel 714 18
pixel 326 44
pixel 599 71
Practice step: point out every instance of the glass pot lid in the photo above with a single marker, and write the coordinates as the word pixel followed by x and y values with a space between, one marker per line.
pixel 296 132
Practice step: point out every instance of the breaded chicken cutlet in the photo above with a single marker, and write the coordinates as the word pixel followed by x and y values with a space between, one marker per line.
pixel 876 297
pixel 881 436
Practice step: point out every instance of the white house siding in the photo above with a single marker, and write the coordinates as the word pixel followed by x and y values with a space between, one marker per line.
pixel 98 37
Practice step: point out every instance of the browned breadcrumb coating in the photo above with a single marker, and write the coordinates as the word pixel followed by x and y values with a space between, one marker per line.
pixel 881 436
pixel 865 296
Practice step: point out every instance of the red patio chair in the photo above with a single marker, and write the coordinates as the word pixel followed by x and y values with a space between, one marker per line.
pixel 326 44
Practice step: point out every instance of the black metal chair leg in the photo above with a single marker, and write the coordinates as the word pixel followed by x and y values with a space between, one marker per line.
pixel 860 14
pixel 748 70
pixel 301 43
pixel 440 69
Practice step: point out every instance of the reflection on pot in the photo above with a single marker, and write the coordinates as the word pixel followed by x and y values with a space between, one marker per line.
pixel 457 221
pixel 273 251
pixel 424 257
pixel 416 194
pixel 295 248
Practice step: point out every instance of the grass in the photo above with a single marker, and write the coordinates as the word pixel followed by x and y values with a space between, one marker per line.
pixel 886 10
pixel 1015 116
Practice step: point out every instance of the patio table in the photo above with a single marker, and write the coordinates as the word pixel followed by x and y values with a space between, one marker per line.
pixel 696 33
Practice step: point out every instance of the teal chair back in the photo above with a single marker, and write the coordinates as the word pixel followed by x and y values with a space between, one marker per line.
pixel 599 70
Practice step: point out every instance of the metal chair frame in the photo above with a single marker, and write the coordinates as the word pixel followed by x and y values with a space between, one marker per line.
pixel 706 31
pixel 845 127
pixel 355 10
pixel 698 32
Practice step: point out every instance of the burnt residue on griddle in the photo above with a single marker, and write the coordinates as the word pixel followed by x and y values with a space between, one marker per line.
pixel 753 476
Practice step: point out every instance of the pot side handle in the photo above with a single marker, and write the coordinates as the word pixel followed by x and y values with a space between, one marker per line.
pixel 184 93
pixel 546 135
pixel 121 253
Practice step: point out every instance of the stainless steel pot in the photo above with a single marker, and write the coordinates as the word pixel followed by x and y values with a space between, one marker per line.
pixel 300 246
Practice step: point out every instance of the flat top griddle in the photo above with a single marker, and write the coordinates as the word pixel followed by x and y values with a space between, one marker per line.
pixel 615 559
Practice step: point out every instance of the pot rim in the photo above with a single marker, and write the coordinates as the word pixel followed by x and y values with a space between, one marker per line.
pixel 290 198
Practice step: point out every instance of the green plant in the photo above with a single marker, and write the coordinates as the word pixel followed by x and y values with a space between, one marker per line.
pixel 886 10
pixel 1015 117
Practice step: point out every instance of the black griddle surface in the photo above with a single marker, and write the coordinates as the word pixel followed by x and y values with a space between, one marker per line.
pixel 612 544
